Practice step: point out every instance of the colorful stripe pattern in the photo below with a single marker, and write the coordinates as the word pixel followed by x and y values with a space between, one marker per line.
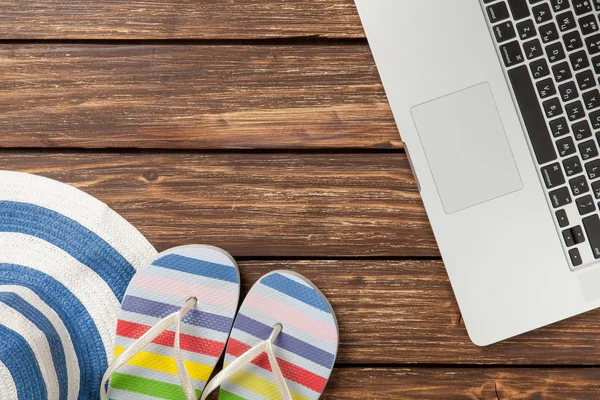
pixel 65 263
pixel 305 349
pixel 159 289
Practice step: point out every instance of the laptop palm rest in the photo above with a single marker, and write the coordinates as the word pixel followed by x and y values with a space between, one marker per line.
pixel 466 148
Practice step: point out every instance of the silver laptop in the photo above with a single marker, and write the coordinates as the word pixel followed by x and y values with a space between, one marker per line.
pixel 498 105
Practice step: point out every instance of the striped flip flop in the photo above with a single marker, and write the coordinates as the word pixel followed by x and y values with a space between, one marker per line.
pixel 283 344
pixel 174 321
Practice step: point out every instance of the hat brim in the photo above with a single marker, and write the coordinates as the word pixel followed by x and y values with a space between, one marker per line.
pixel 66 259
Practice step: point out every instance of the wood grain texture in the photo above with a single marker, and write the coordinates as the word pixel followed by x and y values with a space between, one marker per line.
pixel 404 312
pixel 315 205
pixel 461 384
pixel 193 97
pixel 284 205
pixel 206 19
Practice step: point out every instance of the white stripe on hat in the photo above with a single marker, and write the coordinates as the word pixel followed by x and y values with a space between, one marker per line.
pixel 81 207
pixel 8 390
pixel 37 341
pixel 70 355
pixel 91 290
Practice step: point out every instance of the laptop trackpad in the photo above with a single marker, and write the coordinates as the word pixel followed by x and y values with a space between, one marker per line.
pixel 466 148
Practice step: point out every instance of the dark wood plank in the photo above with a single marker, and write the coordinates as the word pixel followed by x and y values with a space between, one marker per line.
pixel 193 97
pixel 207 19
pixel 283 205
pixel 460 384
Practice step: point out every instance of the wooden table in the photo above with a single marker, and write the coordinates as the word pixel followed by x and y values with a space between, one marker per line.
pixel 261 126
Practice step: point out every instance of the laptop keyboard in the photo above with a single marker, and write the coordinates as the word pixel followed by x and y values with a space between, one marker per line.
pixel 550 50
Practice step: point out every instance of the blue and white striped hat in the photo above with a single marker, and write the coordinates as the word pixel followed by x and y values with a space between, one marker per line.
pixel 65 262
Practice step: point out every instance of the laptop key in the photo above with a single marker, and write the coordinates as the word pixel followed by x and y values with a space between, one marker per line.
pixel 533 49
pixel 562 72
pixel 549 32
pixel 595 119
pixel 593 169
pixel 596 64
pixel 582 130
pixel 560 197
pixel 575 257
pixel 542 13
pixel 504 31
pixel 559 127
pixel 526 29
pixel 497 12
pixel 575 110
pixel 582 6
pixel 566 21
pixel 572 166
pixel 546 88
pixel 578 235
pixel 519 9
pixel 561 217
pixel 553 176
pixel 586 80
pixel 555 52
pixel 559 5
pixel 588 24
pixel 568 91
pixel 572 41
pixel 593 43
pixel 592 229
pixel 579 60
pixel 552 108
pixel 511 54
pixel 567 235
pixel 579 186
pixel 565 146
pixel 596 190
pixel 592 99
pixel 534 120
pixel 588 150
pixel 586 205
pixel 539 68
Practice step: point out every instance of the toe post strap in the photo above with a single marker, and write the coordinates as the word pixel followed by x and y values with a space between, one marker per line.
pixel 146 339
pixel 246 359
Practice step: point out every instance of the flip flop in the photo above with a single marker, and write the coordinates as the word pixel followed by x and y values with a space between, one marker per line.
pixel 283 344
pixel 193 288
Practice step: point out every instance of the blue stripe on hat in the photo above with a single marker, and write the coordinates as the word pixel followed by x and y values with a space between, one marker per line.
pixel 296 290
pixel 72 237
pixel 284 341
pixel 160 310
pixel 43 324
pixel 20 360
pixel 198 267
pixel 88 345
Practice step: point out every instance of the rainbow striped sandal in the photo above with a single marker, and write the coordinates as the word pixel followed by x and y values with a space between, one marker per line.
pixel 283 344
pixel 175 318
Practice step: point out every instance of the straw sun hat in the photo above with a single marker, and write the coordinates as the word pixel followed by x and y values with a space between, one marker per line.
pixel 65 262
